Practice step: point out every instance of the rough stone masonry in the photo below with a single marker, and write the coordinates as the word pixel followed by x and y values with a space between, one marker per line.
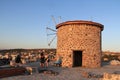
pixel 79 43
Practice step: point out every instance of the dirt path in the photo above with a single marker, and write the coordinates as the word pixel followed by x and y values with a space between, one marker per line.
pixel 66 73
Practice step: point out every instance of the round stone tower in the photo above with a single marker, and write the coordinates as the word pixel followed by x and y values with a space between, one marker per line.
pixel 79 43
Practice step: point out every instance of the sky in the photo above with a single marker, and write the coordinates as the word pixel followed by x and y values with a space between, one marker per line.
pixel 23 22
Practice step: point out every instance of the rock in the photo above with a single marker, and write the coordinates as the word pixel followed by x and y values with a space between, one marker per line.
pixel 114 62
pixel 85 74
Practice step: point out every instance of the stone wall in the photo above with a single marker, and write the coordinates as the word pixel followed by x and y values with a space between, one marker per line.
pixel 108 76
pixel 77 36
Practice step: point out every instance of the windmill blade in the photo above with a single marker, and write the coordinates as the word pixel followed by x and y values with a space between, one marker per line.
pixel 50 29
pixel 51 40
pixel 54 20
pixel 60 19
pixel 51 34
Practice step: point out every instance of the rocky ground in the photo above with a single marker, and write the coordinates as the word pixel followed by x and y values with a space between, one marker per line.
pixel 59 73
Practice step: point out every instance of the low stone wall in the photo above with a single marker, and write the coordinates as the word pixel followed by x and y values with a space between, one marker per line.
pixel 108 76
pixel 11 71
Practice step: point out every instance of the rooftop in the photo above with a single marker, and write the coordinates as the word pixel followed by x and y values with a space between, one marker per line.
pixel 80 22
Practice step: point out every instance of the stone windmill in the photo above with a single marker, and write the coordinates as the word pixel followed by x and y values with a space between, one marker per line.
pixel 79 43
